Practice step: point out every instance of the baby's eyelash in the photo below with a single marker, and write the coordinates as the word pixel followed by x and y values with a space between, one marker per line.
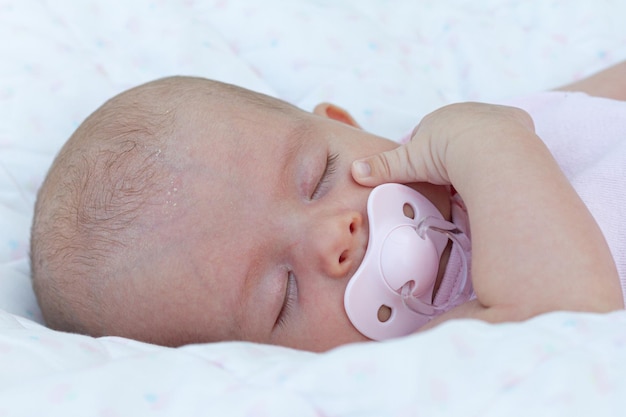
pixel 290 298
pixel 329 170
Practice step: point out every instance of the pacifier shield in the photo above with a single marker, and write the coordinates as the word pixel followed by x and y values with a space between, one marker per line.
pixel 395 255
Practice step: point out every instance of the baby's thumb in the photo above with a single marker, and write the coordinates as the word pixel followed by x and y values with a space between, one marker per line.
pixel 391 166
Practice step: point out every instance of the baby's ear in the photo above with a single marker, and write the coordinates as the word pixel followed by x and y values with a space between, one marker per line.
pixel 336 113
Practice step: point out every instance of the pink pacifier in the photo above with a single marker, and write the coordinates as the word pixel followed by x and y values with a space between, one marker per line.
pixel 391 293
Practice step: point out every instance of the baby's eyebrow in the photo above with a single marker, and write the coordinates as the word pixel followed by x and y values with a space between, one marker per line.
pixel 294 141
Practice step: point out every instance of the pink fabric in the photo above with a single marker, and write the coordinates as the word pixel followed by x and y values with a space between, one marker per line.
pixel 454 272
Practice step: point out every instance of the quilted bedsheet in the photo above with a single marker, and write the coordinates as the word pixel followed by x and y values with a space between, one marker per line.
pixel 389 62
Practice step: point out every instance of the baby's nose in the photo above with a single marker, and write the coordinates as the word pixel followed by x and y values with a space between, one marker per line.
pixel 339 244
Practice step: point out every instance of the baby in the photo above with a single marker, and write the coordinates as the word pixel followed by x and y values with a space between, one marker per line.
pixel 187 210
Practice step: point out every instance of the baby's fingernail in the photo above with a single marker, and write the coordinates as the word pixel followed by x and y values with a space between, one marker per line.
pixel 361 169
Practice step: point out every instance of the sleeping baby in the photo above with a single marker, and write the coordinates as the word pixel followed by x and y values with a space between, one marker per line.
pixel 187 210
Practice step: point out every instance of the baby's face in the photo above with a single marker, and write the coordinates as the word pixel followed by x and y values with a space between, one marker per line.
pixel 271 226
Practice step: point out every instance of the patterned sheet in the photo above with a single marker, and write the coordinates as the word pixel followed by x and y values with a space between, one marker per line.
pixel 389 62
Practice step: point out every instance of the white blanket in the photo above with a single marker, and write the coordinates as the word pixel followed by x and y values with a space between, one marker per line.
pixel 388 62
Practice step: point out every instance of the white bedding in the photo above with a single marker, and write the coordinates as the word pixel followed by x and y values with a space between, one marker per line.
pixel 388 62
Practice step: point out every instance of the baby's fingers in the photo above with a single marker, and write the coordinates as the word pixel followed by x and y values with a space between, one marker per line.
pixel 398 165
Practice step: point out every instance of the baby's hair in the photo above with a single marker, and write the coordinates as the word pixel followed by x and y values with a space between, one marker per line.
pixel 111 168
pixel 89 213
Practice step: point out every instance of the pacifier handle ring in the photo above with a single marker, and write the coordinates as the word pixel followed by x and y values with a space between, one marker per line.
pixel 452 232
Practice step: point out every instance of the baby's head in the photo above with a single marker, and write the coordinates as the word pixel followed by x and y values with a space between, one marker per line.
pixel 187 210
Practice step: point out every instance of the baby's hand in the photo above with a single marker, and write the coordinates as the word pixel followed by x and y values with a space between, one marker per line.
pixel 535 246
pixel 446 137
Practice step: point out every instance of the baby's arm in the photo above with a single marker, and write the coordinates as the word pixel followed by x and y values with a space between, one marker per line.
pixel 609 83
pixel 535 246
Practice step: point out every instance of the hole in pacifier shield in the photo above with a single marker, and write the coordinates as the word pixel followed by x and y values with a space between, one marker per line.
pixel 408 211
pixel 384 313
